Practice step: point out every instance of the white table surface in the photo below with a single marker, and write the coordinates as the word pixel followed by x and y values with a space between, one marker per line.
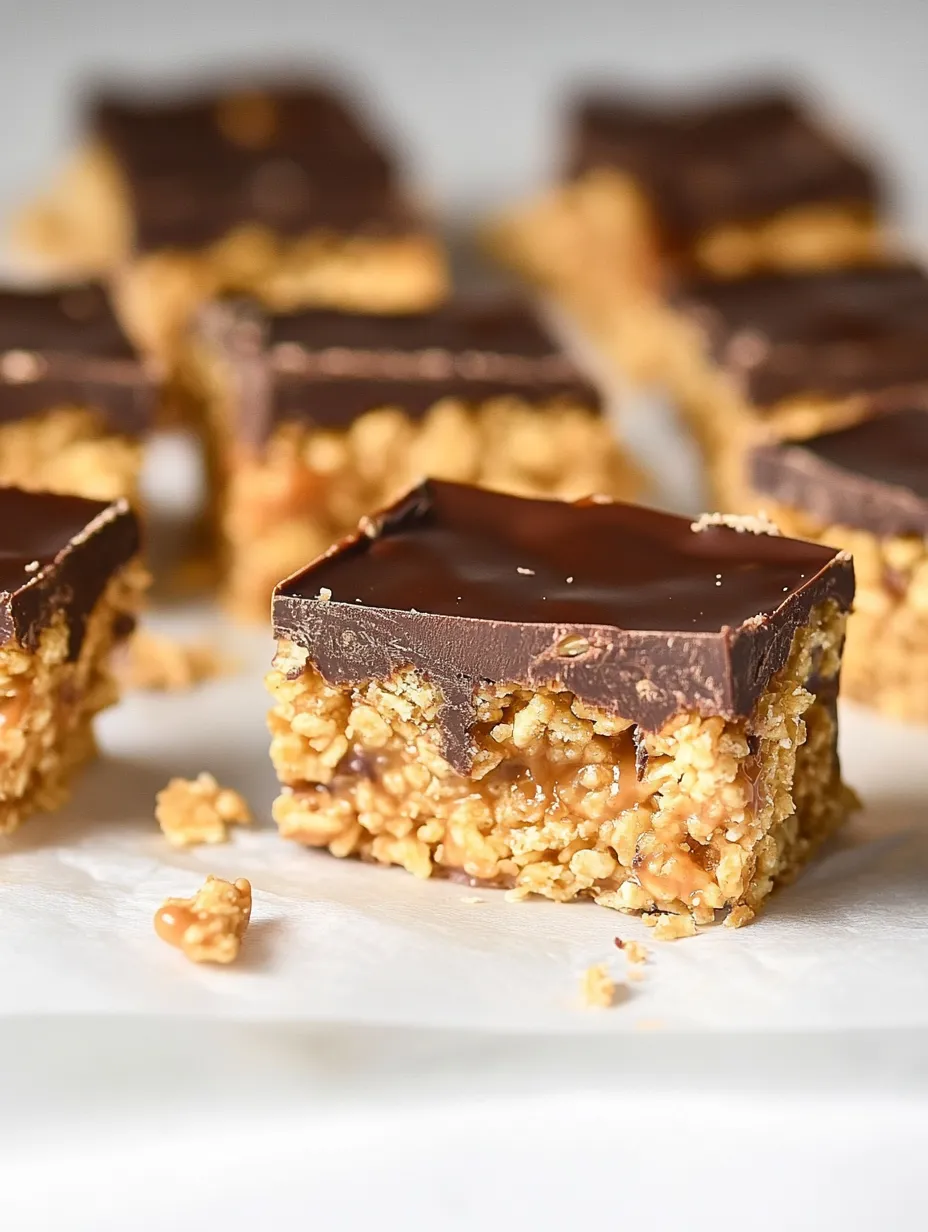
pixel 141 1121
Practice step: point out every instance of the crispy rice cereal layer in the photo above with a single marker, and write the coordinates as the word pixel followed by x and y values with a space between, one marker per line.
pixel 722 812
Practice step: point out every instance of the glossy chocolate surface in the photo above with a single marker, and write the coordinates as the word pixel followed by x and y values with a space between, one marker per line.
pixel 834 334
pixel 57 554
pixel 739 159
pixel 631 609
pixel 292 158
pixel 872 475
pixel 65 347
pixel 328 367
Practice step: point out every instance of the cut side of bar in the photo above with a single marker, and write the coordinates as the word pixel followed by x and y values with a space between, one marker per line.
pixel 573 700
pixel 70 587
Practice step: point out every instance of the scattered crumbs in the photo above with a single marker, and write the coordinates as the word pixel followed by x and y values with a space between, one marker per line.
pixel 753 524
pixel 667 927
pixel 525 572
pixel 569 580
pixel 161 665
pixel 634 951
pixel 32 567
pixel 324 594
pixel 471 900
pixel 597 987
pixel 357 600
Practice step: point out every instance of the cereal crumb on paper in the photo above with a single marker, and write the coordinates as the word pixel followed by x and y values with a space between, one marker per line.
pixel 208 927
pixel 192 811
pixel 739 916
pixel 597 987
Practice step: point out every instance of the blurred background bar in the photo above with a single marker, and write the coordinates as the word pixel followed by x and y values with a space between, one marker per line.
pixel 474 87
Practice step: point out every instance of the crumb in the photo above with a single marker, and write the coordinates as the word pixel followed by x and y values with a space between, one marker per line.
pixel 597 987
pixel 210 926
pixel 525 572
pixel 517 894
pixel 670 927
pixel 191 811
pixel 324 594
pixel 754 524
pixel 739 916
pixel 471 900
pixel 634 951
pixel 160 664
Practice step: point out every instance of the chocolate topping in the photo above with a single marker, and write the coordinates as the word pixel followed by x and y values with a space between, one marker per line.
pixel 631 609
pixel 737 160
pixel 834 334
pixel 330 367
pixel 65 347
pixel 292 158
pixel 57 553
pixel 872 475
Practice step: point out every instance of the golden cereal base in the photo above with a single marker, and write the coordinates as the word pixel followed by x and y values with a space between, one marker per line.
pixel 553 805
pixel 68 449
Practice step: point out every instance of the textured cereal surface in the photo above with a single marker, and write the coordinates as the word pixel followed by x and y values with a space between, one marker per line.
pixel 68 449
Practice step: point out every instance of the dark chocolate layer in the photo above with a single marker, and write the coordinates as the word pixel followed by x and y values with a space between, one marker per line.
pixel 736 160
pixel 835 333
pixel 328 367
pixel 57 554
pixel 65 347
pixel 292 158
pixel 872 475
pixel 631 609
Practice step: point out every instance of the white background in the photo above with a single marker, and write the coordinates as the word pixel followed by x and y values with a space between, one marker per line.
pixel 137 1120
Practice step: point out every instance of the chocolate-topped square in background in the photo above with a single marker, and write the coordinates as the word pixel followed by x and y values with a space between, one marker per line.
pixel 319 417
pixel 722 186
pixel 75 397
pixel 573 700
pixel 863 487
pixel 280 188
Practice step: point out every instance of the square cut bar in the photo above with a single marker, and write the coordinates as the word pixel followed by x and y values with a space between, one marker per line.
pixel 70 587
pixel 319 418
pixel 788 355
pixel 281 191
pixel 75 398
pixel 864 488
pixel 573 700
pixel 719 188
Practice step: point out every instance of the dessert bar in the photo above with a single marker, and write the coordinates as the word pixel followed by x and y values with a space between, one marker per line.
pixel 320 417
pixel 572 700
pixel 864 488
pixel 721 188
pixel 70 585
pixel 75 399
pixel 282 192
pixel 788 355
